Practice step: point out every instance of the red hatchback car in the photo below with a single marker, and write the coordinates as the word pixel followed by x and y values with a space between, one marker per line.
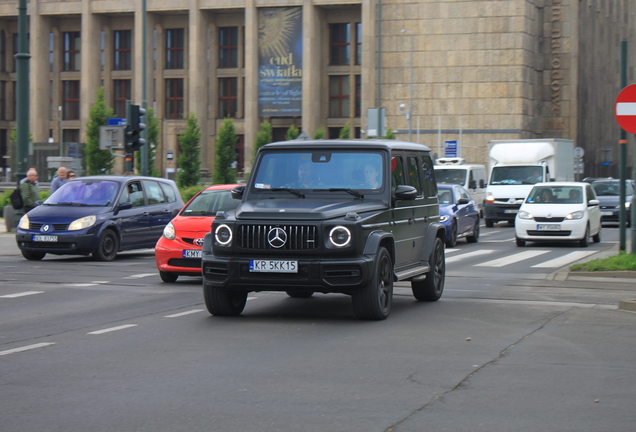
pixel 178 251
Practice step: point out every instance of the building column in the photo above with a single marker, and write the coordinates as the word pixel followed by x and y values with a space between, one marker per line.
pixel 252 121
pixel 90 67
pixel 369 59
pixel 311 113
pixel 39 28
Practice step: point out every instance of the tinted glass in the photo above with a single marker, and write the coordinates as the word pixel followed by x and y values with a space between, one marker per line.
pixel 154 194
pixel 85 193
pixel 556 195
pixel 207 203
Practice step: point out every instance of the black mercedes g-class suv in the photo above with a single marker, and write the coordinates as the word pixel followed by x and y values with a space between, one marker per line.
pixel 329 216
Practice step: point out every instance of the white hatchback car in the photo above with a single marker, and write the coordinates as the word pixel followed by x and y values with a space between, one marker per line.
pixel 559 211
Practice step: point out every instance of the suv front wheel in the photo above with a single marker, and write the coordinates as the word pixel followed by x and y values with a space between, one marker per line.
pixel 431 288
pixel 222 302
pixel 373 302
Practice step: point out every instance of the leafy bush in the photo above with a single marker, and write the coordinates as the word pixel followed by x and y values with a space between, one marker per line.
pixel 4 199
pixel 188 192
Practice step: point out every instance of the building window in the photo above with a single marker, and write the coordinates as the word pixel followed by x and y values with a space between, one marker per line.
pixel 174 98
pixel 3 100
pixel 51 49
pixel 339 96
pixel 51 100
pixel 174 48
pixel 358 108
pixel 228 47
pixel 358 43
pixel 120 95
pixel 71 51
pixel 228 97
pixel 3 52
pixel 123 50
pixel 70 136
pixel 339 46
pixel 71 100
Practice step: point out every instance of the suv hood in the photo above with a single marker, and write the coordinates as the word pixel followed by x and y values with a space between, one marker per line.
pixel 303 209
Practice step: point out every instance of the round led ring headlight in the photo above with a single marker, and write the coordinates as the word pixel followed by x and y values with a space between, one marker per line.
pixel 340 236
pixel 223 235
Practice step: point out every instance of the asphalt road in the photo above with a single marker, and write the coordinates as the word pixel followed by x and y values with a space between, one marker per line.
pixel 108 346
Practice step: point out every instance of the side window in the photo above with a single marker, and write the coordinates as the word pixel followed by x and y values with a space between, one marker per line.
pixel 397 172
pixel 132 193
pixel 154 194
pixel 591 195
pixel 413 174
pixel 430 185
pixel 168 191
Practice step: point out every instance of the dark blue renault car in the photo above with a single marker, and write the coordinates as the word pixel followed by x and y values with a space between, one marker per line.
pixel 458 213
pixel 99 215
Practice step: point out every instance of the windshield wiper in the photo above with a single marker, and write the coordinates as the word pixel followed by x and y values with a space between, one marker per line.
pixel 355 193
pixel 291 191
pixel 71 204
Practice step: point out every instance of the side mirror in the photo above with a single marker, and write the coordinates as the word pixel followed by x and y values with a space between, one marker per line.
pixel 405 192
pixel 237 192
pixel 482 183
pixel 472 184
pixel 593 202
pixel 122 206
pixel 463 201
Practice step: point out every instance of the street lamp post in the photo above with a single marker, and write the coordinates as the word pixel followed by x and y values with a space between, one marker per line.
pixel 410 113
pixel 59 119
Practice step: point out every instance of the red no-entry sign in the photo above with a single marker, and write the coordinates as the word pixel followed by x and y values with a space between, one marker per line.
pixel 625 109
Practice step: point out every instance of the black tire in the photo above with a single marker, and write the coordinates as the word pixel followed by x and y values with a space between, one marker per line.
pixel 222 302
pixel 431 288
pixel 452 241
pixel 33 256
pixel 473 238
pixel 300 294
pixel 107 246
pixel 585 241
pixel 489 223
pixel 511 223
pixel 373 302
pixel 597 236
pixel 521 243
pixel 167 276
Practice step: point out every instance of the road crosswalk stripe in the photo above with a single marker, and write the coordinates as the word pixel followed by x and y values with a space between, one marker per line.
pixel 564 260
pixel 512 258
pixel 467 255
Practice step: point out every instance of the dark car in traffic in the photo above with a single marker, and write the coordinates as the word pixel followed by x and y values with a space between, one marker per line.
pixel 608 192
pixel 329 216
pixel 458 213
pixel 99 215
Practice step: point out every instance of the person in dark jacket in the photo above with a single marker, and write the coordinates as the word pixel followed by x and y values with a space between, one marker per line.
pixel 29 191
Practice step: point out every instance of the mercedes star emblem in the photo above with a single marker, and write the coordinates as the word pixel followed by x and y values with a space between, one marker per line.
pixel 277 237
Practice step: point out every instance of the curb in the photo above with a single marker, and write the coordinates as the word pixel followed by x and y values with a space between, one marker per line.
pixel 627 305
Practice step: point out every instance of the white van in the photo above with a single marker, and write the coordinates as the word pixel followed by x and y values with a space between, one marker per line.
pixel 471 177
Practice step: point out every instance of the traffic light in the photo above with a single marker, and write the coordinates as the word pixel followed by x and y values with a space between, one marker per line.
pixel 134 126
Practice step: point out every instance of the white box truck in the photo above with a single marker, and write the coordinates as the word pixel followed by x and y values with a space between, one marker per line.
pixel 516 165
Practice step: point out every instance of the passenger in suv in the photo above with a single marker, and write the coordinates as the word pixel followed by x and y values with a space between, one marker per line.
pixel 338 235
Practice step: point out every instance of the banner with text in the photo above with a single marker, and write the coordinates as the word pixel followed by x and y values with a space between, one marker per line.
pixel 280 61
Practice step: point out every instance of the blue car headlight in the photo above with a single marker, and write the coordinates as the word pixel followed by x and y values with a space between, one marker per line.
pixel 444 218
pixel 82 223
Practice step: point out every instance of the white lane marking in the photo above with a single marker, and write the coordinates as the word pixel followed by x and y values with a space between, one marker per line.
pixel 483 234
pixel 139 276
pixel 113 329
pixel 100 282
pixel 22 294
pixel 564 260
pixel 512 258
pixel 82 284
pixel 452 250
pixel 26 348
pixel 498 241
pixel 626 108
pixel 183 313
pixel 536 303
pixel 469 254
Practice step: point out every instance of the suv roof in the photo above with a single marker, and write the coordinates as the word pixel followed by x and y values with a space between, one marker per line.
pixel 362 144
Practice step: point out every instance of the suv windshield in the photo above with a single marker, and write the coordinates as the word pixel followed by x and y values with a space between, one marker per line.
pixel 611 188
pixel 85 193
pixel 319 170
pixel 208 202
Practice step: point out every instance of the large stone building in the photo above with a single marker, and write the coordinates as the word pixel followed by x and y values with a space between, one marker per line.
pixel 465 70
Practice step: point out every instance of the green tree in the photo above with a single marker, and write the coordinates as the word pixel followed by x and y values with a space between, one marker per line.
pixel 292 133
pixel 390 134
pixel 345 132
pixel 97 161
pixel 189 158
pixel 264 136
pixel 153 129
pixel 225 153
pixel 320 133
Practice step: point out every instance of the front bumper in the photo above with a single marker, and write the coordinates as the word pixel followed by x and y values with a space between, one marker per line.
pixel 570 230
pixel 169 258
pixel 315 274
pixel 501 212
pixel 66 244
pixel 612 215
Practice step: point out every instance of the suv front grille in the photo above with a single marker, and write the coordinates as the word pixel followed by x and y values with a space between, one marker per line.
pixel 299 237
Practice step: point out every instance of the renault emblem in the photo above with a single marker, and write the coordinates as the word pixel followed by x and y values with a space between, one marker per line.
pixel 277 237
pixel 45 228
